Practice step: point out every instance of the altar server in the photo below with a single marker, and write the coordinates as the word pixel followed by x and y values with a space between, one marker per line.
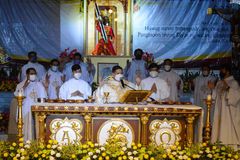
pixel 87 70
pixel 53 80
pixel 201 89
pixel 137 68
pixel 173 80
pixel 226 122
pixel 75 88
pixel 32 90
pixel 159 87
pixel 115 85
pixel 32 63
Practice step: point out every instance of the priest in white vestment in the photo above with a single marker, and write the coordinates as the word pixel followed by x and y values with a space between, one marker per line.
pixel 159 87
pixel 32 89
pixel 115 85
pixel 201 89
pixel 137 68
pixel 226 122
pixel 173 80
pixel 53 80
pixel 75 88
pixel 32 63
pixel 87 69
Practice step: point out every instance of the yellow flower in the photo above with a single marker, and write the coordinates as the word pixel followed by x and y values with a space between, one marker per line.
pixel 139 145
pixel 107 158
pixel 204 144
pixel 152 158
pixel 50 141
pixel 43 155
pixel 84 146
pixel 14 144
pixel 20 139
pixel 100 158
pixel 133 144
pixel 134 147
pixel 177 143
pixel 48 146
pixel 236 157
pixel 214 147
pixel 124 157
pixel 55 142
pixel 104 154
pixel 35 155
pixel 229 155
pixel 119 158
pixel 121 153
pixel 20 144
pixel 146 156
pixel 14 158
pixel 164 156
pixel 223 148
pixel 73 156
pixel 5 154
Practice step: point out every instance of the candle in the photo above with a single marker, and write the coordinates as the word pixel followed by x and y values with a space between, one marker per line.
pixel 20 93
pixel 209 97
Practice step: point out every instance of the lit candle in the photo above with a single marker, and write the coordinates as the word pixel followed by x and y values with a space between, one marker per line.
pixel 20 93
pixel 209 97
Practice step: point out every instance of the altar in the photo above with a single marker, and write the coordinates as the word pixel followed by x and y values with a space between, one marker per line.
pixel 118 123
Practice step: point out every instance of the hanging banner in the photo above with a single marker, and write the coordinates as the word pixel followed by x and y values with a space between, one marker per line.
pixel 181 29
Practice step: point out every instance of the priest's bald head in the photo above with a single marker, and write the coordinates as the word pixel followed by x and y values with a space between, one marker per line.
pixel 76 71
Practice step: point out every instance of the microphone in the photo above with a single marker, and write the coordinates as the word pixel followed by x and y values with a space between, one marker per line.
pixel 122 83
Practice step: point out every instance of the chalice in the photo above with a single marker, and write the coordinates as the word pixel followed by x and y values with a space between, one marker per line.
pixel 106 95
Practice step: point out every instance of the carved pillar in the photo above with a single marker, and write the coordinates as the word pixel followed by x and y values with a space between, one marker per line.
pixel 88 131
pixel 41 122
pixel 207 133
pixel 190 119
pixel 20 118
pixel 144 121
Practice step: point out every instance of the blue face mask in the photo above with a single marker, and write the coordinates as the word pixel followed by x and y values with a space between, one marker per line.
pixel 76 61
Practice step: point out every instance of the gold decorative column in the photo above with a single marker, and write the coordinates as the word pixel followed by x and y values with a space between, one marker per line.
pixel 207 133
pixel 144 120
pixel 20 118
pixel 41 123
pixel 190 119
pixel 88 132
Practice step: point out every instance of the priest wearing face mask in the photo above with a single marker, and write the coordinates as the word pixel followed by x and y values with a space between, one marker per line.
pixel 226 93
pixel 75 88
pixel 87 74
pixel 159 87
pixel 115 85
pixel 53 79
pixel 173 80
pixel 201 89
pixel 32 90
pixel 32 63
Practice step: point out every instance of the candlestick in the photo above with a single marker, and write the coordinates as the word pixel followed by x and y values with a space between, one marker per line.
pixel 20 98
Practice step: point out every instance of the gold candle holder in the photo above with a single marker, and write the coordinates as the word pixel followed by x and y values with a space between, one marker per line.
pixel 20 118
pixel 207 133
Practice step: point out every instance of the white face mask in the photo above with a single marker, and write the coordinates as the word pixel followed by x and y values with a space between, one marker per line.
pixel 54 68
pixel 167 67
pixel 32 77
pixel 118 77
pixel 77 75
pixel 153 74
pixel 205 73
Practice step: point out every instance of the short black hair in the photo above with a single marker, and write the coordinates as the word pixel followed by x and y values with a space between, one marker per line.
pixel 153 65
pixel 76 67
pixel 227 67
pixel 114 68
pixel 55 60
pixel 29 69
pixel 77 54
pixel 205 66
pixel 168 60
pixel 138 51
pixel 32 53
